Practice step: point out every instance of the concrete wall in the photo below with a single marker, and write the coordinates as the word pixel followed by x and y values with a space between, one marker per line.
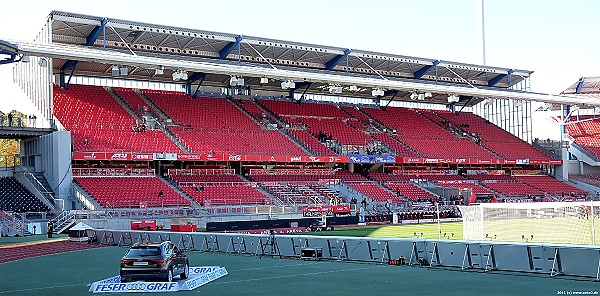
pixel 51 154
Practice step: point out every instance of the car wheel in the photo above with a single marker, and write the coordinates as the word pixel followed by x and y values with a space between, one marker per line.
pixel 170 275
pixel 186 271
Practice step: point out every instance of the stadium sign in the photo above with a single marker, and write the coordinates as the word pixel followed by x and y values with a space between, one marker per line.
pixel 199 276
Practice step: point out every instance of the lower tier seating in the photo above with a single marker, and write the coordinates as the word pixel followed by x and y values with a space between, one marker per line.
pixel 14 197
pixel 124 192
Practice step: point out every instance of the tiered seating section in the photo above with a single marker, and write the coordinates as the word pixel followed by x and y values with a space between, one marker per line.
pixel 98 123
pixel 218 126
pixel 493 137
pixel 298 186
pixel 586 134
pixel 219 188
pixel 125 192
pixel 321 118
pixel 550 185
pixel 14 197
pixel 425 137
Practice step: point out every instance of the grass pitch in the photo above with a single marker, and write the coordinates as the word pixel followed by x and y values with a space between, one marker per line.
pixel 449 230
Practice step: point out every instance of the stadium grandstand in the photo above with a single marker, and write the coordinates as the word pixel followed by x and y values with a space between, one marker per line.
pixel 143 120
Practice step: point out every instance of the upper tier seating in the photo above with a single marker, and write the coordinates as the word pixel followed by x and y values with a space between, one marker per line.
pixel 123 192
pixel 132 99
pixel 311 142
pixel 317 118
pixel 14 197
pixel 215 124
pixel 89 112
pixel 419 133
pixel 586 134
pixel 493 137
pixel 304 109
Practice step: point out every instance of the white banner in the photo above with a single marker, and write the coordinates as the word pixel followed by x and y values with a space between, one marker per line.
pixel 198 276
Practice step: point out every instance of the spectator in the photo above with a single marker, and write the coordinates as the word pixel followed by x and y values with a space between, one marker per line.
pixel 33 120
pixel 86 142
pixel 1 119
pixel 161 193
pixel 19 121
pixel 10 118
pixel 364 202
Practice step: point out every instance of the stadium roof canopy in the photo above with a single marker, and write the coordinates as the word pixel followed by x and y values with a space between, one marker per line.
pixel 585 88
pixel 91 46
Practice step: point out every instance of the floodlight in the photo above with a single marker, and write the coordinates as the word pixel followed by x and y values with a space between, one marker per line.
pixel 377 92
pixel 264 80
pixel 353 88
pixel 25 59
pixel 420 97
pixel 453 98
pixel 233 81
pixel 288 84
pixel 176 75
pixel 43 62
pixel 115 70
pixel 240 81
pixel 124 71
pixel 335 89
pixel 428 95
pixel 414 95
pixel 184 75
pixel 159 71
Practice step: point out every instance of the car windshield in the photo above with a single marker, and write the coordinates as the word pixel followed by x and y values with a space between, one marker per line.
pixel 144 251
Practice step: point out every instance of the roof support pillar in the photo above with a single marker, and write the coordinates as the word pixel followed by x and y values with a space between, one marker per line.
pixel 230 46
pixel 495 80
pixel 579 85
pixel 335 60
pixel 426 69
pixel 193 78
pixel 89 41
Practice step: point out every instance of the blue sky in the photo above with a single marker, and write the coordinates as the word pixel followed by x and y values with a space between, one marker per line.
pixel 556 39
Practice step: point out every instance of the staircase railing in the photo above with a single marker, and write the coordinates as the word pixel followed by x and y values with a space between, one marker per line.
pixel 63 221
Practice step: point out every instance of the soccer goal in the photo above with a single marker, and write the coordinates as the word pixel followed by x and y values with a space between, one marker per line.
pixel 559 222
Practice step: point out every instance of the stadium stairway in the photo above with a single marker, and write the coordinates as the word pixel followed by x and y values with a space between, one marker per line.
pixel 86 200
pixel 123 104
pixel 173 138
pixel 237 105
pixel 175 187
pixel 297 142
pixel 281 127
pixel 381 125
pixel 38 186
pixel 435 118
pixel 131 112
pixel 263 191
pixel 163 116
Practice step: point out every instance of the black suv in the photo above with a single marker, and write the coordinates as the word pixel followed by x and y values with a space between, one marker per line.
pixel 154 261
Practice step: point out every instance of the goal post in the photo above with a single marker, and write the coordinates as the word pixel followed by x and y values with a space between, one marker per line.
pixel 549 222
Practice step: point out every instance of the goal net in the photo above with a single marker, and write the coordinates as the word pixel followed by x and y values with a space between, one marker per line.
pixel 560 222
